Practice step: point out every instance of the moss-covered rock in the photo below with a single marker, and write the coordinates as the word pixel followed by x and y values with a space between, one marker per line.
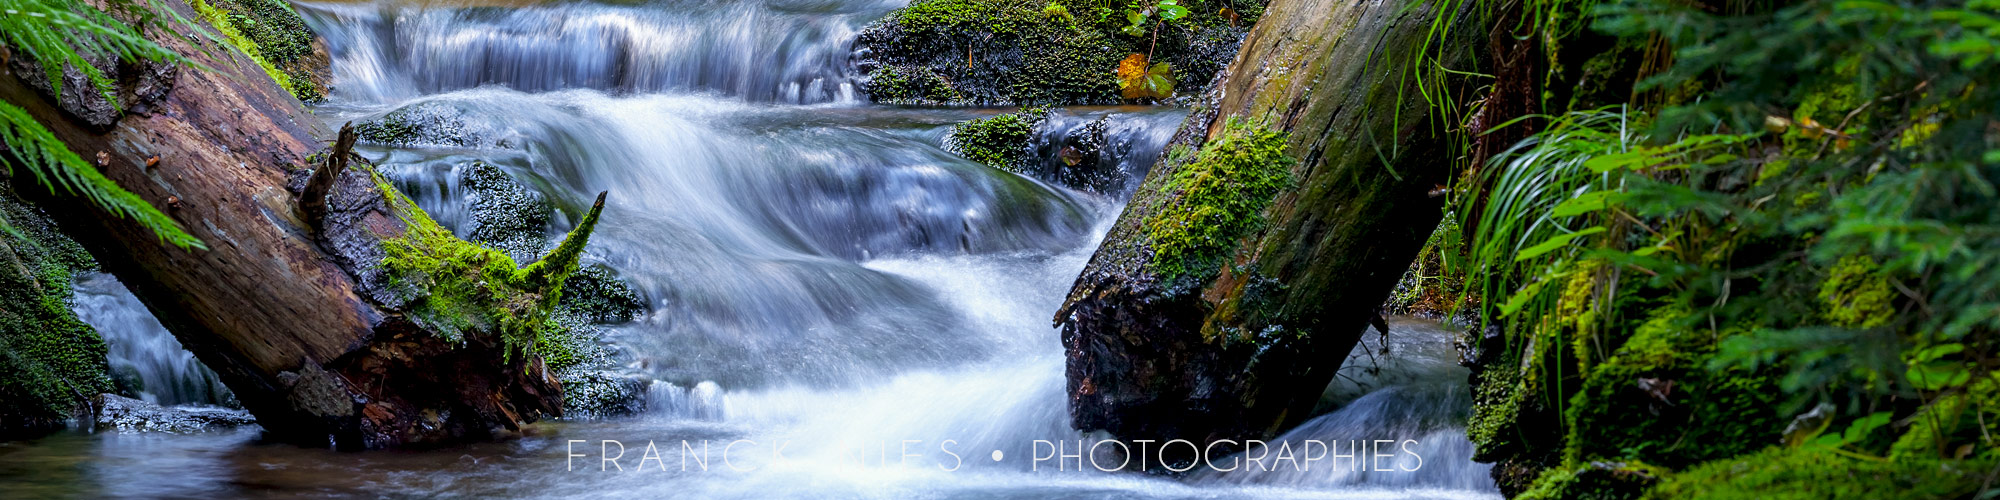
pixel 50 361
pixel 1656 400
pixel 455 287
pixel 276 38
pixel 1002 141
pixel 1065 52
pixel 505 215
pixel 427 124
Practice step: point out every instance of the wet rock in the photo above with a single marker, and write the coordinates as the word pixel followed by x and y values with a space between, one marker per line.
pixel 596 294
pixel 1102 153
pixel 1084 157
pixel 428 124
pixel 138 86
pixel 505 214
pixel 125 414
pixel 602 393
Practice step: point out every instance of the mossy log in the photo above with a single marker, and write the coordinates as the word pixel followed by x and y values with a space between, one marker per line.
pixel 1257 250
pixel 307 321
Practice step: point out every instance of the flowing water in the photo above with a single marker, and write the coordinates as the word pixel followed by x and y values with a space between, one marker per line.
pixel 145 359
pixel 839 308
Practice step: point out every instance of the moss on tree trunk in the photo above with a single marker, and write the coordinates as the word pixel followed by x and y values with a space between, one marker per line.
pixel 1247 265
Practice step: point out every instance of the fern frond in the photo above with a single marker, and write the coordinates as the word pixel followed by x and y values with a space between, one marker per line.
pixel 41 153
pixel 61 34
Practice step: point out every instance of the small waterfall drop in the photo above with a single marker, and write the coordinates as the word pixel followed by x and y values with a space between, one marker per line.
pixel 144 356
pixel 1405 387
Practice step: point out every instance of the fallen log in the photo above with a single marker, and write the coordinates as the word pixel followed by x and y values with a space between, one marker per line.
pixel 336 310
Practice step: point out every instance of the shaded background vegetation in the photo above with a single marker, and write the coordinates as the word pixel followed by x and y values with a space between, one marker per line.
pixel 1744 249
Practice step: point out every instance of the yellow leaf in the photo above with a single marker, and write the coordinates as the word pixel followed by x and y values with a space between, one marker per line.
pixel 1132 75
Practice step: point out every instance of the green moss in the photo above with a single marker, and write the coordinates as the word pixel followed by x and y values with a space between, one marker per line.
pixel 910 85
pixel 1855 294
pixel 1074 69
pixel 1494 425
pixel 994 52
pixel 1217 198
pixel 50 361
pixel 1814 473
pixel 272 34
pixel 462 288
pixel 1594 481
pixel 1577 313
pixel 1656 400
pixel 1000 141
pixel 995 17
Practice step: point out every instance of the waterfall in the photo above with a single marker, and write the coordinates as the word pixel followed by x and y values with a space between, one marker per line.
pixel 779 51
pixel 145 359
pixel 704 401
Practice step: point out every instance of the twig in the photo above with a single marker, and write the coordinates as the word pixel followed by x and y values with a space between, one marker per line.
pixel 1836 131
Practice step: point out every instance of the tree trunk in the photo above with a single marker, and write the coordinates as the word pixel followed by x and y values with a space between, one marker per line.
pixel 1241 347
pixel 302 319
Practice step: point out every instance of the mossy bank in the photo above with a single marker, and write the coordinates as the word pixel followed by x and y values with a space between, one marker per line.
pixel 1065 52
pixel 274 36
pixel 51 363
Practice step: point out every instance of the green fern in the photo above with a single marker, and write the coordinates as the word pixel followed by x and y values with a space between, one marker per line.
pixel 1521 240
pixel 60 34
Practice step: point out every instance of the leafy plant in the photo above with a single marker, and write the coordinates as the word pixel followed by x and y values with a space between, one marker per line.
pixel 61 34
pixel 1137 80
pixel 1140 17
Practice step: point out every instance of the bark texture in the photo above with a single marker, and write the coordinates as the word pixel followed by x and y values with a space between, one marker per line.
pixel 1244 348
pixel 277 305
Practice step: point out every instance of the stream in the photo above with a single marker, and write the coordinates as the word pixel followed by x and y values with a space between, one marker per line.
pixel 845 307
